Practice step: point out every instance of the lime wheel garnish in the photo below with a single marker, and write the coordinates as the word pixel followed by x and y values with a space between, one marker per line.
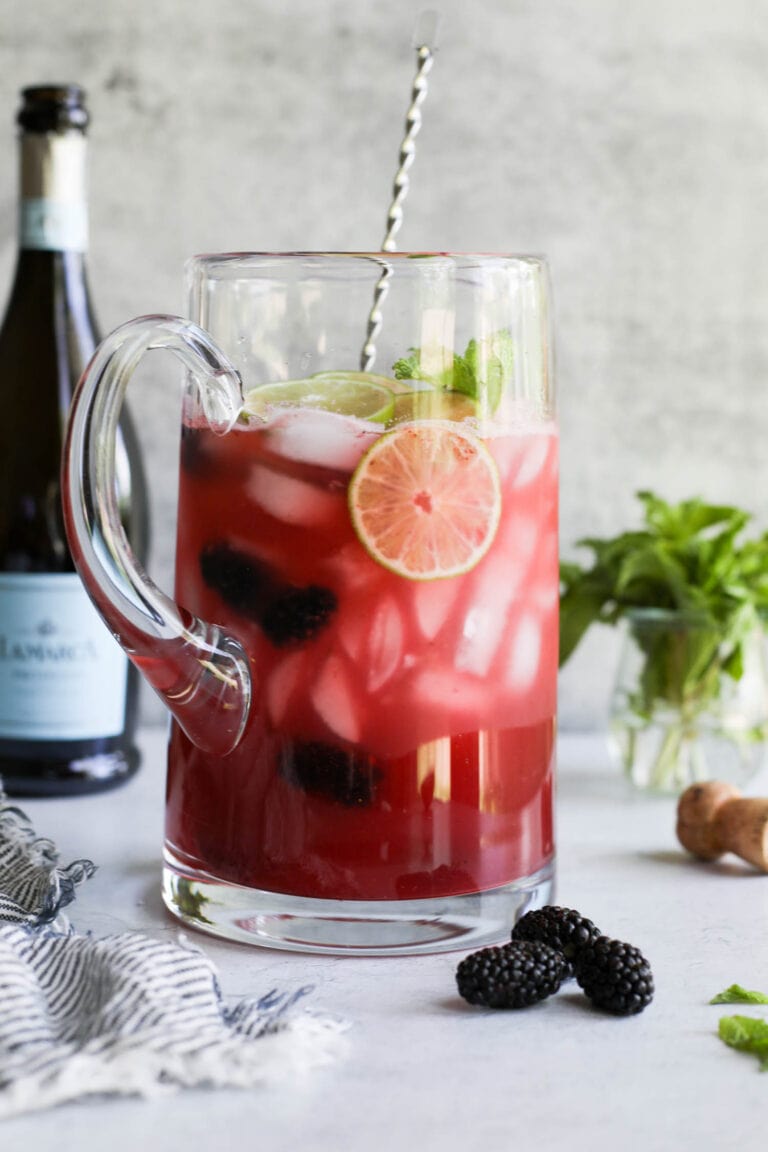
pixel 425 500
pixel 346 393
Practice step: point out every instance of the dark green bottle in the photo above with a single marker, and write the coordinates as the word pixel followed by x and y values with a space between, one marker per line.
pixel 68 698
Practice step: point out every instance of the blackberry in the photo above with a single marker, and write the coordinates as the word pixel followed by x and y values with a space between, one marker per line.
pixel 561 928
pixel 615 976
pixel 242 582
pixel 512 976
pixel 348 778
pixel 286 613
pixel 297 614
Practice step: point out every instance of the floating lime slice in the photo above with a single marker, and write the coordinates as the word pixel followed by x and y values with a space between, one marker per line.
pixel 347 393
pixel 360 378
pixel 432 405
pixel 394 385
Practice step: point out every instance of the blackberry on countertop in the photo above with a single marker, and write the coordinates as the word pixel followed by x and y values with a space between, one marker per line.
pixel 514 975
pixel 562 928
pixel 615 976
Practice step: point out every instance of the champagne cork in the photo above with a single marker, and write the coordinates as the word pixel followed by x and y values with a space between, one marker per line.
pixel 714 818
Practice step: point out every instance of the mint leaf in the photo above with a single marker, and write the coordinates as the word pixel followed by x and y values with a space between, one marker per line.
pixel 481 373
pixel 490 361
pixel 408 367
pixel 746 1034
pixel 687 558
pixel 190 901
pixel 738 995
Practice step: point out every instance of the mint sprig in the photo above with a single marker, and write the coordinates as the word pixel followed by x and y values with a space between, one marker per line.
pixel 481 373
pixel 687 558
pixel 689 561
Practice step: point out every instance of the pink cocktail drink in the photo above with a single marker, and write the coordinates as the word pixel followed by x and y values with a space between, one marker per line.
pixel 400 743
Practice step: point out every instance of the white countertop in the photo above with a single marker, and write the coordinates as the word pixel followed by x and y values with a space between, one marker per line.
pixel 424 1070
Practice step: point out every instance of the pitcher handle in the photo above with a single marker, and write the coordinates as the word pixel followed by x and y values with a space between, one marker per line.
pixel 199 671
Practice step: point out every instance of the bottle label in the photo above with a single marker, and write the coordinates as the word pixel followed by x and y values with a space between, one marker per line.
pixel 63 676
pixel 53 225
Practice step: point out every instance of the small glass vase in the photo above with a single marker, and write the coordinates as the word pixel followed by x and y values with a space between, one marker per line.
pixel 677 714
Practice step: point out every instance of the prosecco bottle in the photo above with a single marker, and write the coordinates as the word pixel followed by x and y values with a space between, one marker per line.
pixel 68 698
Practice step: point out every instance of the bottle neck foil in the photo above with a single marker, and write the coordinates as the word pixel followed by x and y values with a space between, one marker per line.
pixel 53 208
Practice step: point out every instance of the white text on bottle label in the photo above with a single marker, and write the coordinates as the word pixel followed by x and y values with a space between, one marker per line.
pixel 63 676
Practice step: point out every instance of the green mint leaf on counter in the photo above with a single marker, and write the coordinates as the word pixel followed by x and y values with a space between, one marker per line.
pixel 481 373
pixel 738 995
pixel 746 1034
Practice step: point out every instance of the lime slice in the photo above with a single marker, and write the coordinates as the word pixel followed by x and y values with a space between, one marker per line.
pixel 432 405
pixel 425 500
pixel 360 378
pixel 346 393
pixel 394 385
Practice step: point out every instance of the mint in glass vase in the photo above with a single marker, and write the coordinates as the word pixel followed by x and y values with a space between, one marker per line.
pixel 690 699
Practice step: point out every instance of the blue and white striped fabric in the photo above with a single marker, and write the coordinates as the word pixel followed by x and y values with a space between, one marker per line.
pixel 33 888
pixel 125 1014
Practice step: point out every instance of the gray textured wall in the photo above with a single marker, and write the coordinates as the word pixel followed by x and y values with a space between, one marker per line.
pixel 627 142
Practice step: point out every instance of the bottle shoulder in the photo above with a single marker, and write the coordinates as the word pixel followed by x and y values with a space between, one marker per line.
pixel 48 332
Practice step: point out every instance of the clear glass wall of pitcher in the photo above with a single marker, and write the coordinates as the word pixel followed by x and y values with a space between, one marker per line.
pixel 361 653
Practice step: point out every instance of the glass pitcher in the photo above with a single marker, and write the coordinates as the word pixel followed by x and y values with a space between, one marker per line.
pixel 360 657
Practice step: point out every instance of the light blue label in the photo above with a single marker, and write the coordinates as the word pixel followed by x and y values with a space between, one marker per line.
pixel 63 676
pixel 54 225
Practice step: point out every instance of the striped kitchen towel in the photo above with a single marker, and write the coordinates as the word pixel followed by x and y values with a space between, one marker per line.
pixel 33 888
pixel 126 1014
pixel 130 1015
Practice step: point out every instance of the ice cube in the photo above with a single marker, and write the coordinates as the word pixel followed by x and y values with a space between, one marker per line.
pixel 385 644
pixel 352 626
pixel 480 637
pixel 332 699
pixel 443 691
pixel 493 590
pixel 514 549
pixel 352 567
pixel 291 501
pixel 432 602
pixel 281 684
pixel 534 459
pixel 546 585
pixel 505 449
pixel 314 436
pixel 524 654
